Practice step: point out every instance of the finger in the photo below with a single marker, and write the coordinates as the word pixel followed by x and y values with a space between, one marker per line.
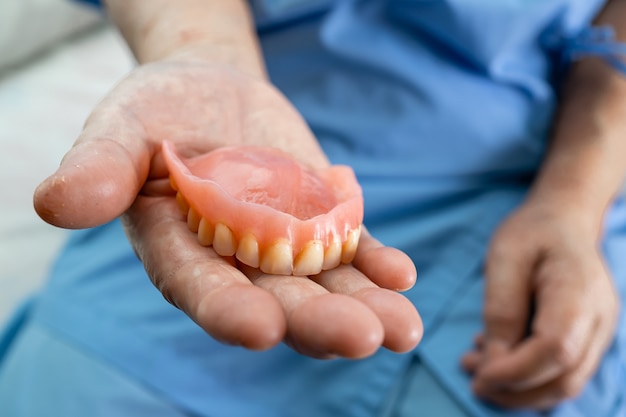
pixel 567 386
pixel 471 361
pixel 100 176
pixel 507 295
pixel 217 296
pixel 533 364
pixel 401 322
pixel 321 324
pixel 563 330
pixel 479 341
pixel 475 357
pixel 158 188
pixel 386 267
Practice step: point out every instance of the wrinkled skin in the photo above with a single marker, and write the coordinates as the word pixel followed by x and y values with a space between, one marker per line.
pixel 544 254
pixel 115 169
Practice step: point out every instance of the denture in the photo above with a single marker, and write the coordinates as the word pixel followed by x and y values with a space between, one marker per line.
pixel 270 212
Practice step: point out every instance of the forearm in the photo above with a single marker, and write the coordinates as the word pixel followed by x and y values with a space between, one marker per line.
pixel 212 30
pixel 586 162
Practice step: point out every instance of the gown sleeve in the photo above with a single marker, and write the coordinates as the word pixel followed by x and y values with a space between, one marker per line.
pixel 96 3
pixel 596 42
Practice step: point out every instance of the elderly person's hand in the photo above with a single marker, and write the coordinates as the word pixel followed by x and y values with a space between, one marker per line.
pixel 550 309
pixel 203 91
pixel 550 306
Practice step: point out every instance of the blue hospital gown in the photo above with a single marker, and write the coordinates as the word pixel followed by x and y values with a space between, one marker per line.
pixel 442 107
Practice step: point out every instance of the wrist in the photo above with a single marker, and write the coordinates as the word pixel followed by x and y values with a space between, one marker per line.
pixel 580 205
pixel 223 54
pixel 212 31
pixel 584 167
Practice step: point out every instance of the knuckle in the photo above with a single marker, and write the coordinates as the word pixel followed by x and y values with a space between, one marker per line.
pixel 563 353
pixel 167 282
pixel 165 288
pixel 501 248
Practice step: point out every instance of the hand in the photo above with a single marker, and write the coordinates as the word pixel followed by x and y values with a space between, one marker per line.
pixel 115 167
pixel 550 309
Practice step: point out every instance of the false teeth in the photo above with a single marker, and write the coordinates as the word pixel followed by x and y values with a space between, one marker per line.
pixel 278 258
pixel 310 260
pixel 248 251
pixel 206 232
pixel 348 249
pixel 267 210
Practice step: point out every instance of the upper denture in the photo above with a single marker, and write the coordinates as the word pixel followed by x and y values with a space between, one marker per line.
pixel 271 212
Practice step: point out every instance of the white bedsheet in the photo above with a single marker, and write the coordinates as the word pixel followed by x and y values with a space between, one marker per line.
pixel 43 105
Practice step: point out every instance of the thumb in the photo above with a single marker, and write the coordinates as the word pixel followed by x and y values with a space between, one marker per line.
pixel 507 294
pixel 99 177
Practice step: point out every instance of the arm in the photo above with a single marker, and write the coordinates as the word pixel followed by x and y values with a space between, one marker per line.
pixel 202 85
pixel 546 254
pixel 586 163
pixel 217 31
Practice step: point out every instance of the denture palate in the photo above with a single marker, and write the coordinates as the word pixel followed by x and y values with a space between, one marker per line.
pixel 269 211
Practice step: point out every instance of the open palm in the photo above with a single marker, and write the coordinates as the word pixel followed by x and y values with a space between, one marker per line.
pixel 115 168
